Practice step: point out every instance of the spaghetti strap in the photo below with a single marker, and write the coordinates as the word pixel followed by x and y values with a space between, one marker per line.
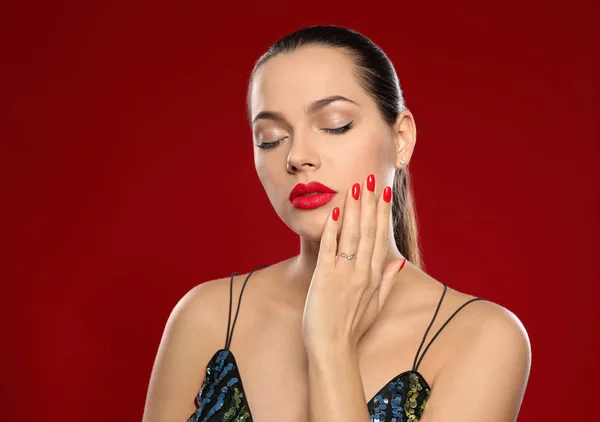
pixel 230 334
pixel 414 368
pixel 417 363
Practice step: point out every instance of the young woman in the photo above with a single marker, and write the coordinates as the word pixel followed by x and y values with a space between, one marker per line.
pixel 348 329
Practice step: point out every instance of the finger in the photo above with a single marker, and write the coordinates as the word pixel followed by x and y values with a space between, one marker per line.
pixel 350 231
pixel 368 225
pixel 328 246
pixel 384 207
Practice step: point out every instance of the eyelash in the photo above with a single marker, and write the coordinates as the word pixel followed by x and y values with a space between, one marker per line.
pixel 334 131
pixel 340 130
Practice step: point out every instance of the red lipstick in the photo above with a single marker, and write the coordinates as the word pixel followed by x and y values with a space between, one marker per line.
pixel 311 195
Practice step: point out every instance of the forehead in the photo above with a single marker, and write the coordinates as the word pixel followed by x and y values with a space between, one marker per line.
pixel 289 81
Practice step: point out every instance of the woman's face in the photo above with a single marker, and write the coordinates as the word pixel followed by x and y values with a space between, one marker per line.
pixel 317 124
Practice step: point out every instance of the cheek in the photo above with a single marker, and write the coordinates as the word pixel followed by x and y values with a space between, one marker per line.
pixel 379 148
pixel 385 151
pixel 263 171
pixel 268 174
pixel 273 182
pixel 371 152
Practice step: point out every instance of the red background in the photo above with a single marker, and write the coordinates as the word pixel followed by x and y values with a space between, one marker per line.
pixel 125 154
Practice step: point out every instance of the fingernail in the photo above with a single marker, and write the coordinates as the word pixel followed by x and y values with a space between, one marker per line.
pixel 387 194
pixel 402 265
pixel 371 183
pixel 335 214
pixel 355 191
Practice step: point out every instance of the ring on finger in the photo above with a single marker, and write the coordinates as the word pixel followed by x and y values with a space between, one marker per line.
pixel 347 256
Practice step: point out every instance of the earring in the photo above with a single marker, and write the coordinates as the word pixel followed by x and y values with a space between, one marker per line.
pixel 402 161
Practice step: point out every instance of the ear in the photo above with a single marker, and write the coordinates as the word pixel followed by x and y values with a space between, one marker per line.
pixel 405 133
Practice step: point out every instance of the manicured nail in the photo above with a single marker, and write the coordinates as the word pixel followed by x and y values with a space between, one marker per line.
pixel 335 214
pixel 371 183
pixel 356 191
pixel 402 265
pixel 387 194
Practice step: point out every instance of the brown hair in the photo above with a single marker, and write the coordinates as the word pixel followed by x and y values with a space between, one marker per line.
pixel 378 77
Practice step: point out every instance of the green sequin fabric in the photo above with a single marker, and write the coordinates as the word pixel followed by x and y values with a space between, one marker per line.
pixel 402 399
pixel 222 397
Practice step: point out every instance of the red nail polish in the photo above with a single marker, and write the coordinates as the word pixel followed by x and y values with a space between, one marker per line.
pixel 335 214
pixel 402 265
pixel 387 194
pixel 371 183
pixel 355 191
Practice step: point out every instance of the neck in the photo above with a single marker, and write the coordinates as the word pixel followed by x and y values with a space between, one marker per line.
pixel 302 267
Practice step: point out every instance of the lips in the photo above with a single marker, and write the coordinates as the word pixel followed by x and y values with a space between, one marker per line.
pixel 311 195
pixel 313 187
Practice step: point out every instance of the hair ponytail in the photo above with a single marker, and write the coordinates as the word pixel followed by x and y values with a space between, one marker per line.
pixel 404 218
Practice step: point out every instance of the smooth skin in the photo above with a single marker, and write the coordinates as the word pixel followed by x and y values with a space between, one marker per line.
pixel 310 346
pixel 344 299
pixel 330 318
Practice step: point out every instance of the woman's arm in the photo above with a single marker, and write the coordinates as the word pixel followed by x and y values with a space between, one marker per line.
pixel 184 350
pixel 484 383
pixel 335 386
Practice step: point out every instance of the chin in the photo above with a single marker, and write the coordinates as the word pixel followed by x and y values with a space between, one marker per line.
pixel 308 224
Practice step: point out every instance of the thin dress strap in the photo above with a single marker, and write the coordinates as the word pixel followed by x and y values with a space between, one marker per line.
pixel 230 334
pixel 414 368
pixel 418 362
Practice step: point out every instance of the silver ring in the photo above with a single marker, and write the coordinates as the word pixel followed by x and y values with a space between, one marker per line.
pixel 347 256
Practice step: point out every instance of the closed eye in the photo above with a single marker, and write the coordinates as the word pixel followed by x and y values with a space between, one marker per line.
pixel 339 130
pixel 334 131
pixel 267 145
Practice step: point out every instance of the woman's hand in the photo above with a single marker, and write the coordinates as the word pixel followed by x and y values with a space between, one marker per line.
pixel 346 295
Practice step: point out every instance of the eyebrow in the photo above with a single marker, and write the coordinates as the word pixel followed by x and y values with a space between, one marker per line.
pixel 312 108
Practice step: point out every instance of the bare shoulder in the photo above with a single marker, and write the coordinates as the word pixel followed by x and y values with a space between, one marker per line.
pixel 206 307
pixel 194 331
pixel 484 326
pixel 489 324
pixel 484 362
pixel 203 307
pixel 502 335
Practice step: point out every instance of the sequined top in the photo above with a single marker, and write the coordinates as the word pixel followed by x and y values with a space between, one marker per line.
pixel 222 397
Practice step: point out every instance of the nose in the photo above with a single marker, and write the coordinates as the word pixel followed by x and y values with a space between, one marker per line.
pixel 302 156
